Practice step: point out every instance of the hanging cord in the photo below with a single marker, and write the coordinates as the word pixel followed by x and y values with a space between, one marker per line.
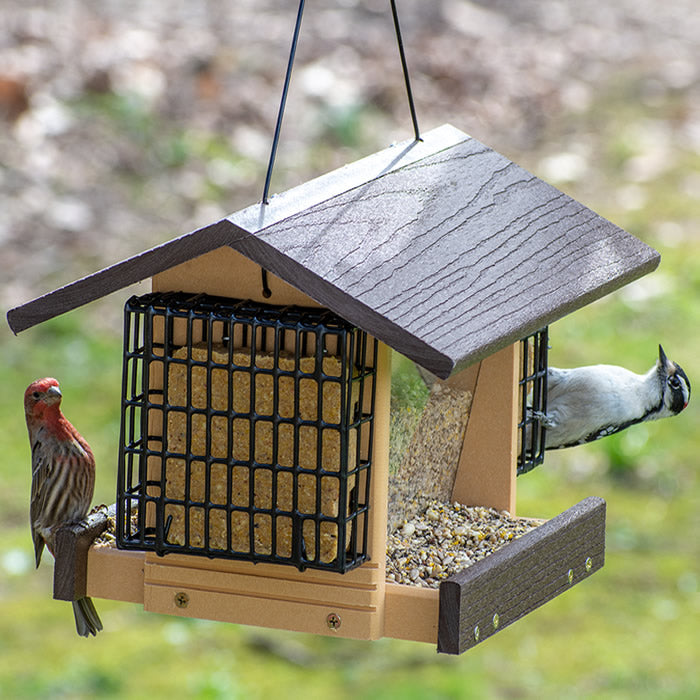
pixel 283 102
pixel 285 90
pixel 404 66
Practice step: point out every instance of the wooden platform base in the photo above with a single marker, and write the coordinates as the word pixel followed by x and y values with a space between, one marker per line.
pixel 469 607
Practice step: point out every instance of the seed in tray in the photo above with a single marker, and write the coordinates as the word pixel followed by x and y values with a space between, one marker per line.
pixel 437 543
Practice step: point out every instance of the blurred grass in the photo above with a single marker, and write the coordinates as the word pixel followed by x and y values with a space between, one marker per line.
pixel 629 632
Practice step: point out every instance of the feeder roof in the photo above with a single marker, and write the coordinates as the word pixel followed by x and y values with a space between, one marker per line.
pixel 442 248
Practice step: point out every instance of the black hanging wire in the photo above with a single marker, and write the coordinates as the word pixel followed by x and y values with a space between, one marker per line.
pixel 267 293
pixel 404 66
pixel 285 90
pixel 283 102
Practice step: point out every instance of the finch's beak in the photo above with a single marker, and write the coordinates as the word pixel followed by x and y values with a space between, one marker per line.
pixel 53 394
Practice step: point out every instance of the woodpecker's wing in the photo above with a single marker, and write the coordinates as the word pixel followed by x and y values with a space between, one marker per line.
pixel 588 403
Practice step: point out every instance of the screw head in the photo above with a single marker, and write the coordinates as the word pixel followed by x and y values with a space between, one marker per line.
pixel 182 600
pixel 496 620
pixel 333 621
pixel 570 576
pixel 589 563
pixel 477 633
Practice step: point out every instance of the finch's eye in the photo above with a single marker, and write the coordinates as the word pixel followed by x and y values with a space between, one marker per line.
pixel 36 395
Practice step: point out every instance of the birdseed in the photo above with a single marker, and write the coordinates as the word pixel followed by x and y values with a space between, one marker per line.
pixel 428 468
pixel 446 538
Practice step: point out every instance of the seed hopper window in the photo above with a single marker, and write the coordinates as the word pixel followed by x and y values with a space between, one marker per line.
pixel 533 400
pixel 246 432
pixel 429 419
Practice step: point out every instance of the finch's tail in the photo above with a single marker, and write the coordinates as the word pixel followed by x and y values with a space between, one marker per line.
pixel 87 621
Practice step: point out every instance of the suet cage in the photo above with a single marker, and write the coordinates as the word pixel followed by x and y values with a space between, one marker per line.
pixel 534 351
pixel 246 431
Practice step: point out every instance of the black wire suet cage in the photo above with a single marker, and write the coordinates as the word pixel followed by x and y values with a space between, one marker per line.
pixel 246 432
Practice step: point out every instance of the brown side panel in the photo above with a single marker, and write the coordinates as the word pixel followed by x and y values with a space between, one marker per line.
pixel 498 590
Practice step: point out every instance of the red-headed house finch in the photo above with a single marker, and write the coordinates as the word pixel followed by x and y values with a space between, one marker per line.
pixel 63 480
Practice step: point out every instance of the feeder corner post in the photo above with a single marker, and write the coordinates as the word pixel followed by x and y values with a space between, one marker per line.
pixel 487 466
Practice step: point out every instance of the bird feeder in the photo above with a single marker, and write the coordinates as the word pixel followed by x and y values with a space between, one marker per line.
pixel 253 468
pixel 253 480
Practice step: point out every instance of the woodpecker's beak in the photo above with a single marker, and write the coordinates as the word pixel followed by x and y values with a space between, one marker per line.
pixel 53 395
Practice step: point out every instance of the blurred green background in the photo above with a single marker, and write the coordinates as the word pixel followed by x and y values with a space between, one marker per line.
pixel 623 137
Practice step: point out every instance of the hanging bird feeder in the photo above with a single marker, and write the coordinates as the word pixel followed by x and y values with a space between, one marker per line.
pixel 253 479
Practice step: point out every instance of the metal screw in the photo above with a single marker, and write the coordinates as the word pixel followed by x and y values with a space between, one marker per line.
pixel 570 576
pixel 182 600
pixel 333 621
pixel 496 620
pixel 589 563
pixel 477 634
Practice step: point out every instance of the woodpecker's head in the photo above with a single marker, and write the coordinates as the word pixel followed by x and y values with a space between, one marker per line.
pixel 675 384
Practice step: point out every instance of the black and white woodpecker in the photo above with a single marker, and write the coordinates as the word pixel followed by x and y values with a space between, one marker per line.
pixel 588 403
